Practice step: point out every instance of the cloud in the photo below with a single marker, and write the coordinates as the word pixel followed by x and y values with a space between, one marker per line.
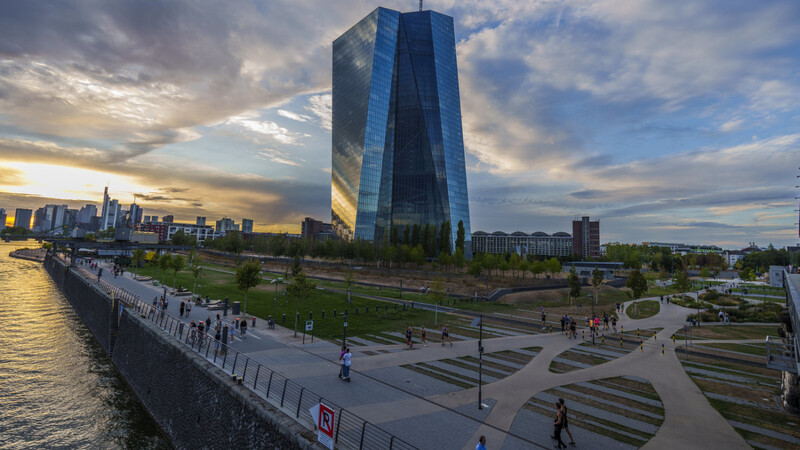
pixel 277 157
pixel 268 128
pixel 12 177
pixel 321 106
pixel 293 116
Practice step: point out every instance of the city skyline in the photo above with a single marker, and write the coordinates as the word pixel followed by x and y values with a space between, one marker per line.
pixel 668 123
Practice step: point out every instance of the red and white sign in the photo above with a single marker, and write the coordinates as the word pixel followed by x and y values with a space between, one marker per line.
pixel 324 418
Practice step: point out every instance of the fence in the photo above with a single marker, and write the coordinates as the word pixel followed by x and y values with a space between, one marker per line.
pixel 351 431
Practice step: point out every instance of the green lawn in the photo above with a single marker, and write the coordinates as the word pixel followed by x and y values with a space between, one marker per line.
pixel 218 285
pixel 647 308
pixel 732 331
pixel 757 349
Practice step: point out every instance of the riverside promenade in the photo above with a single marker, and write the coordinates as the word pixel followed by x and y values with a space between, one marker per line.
pixel 429 412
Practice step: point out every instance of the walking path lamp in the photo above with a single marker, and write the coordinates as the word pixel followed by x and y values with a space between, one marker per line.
pixel 276 282
pixel 344 330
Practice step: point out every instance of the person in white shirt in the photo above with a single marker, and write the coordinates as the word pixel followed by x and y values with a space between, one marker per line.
pixel 346 365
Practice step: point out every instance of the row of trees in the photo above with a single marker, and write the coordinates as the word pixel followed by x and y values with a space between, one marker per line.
pixel 661 258
pixel 489 264
pixel 15 231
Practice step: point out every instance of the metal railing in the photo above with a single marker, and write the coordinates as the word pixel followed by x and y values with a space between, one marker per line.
pixel 781 354
pixel 351 431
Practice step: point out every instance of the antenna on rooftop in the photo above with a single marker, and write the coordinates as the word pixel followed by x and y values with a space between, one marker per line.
pixel 420 5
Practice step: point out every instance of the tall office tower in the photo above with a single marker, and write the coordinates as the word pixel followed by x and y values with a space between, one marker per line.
pixel 3 218
pixel 111 214
pixel 398 150
pixel 586 238
pixel 104 212
pixel 22 218
pixel 135 213
pixel 226 225
pixel 247 225
pixel 86 213
pixel 201 220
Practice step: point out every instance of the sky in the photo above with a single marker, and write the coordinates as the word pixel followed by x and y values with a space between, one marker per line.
pixel 667 121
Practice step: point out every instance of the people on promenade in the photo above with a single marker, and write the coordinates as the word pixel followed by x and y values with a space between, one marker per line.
pixel 217 339
pixel 422 336
pixel 243 329
pixel 566 421
pixel 99 274
pixel 558 425
pixel 346 365
pixel 408 337
pixel 605 321
pixel 341 361
pixel 446 336
pixel 563 323
pixel 182 308
pixel 481 443
pixel 573 328
pixel 231 335
pixel 544 319
pixel 614 323
pixel 188 308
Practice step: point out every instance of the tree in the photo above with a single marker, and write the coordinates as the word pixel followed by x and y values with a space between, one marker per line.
pixel 393 238
pixel 414 235
pixel 460 236
pixel 137 257
pixel 407 235
pixel 553 266
pixel 197 271
pixel 681 282
pixel 574 284
pixel 458 258
pixel 296 266
pixel 248 275
pixel 181 238
pixel 299 287
pixel 444 238
pixel 475 268
pixel 164 263
pixel 637 283
pixel 705 273
pixel 176 265
pixel 597 280
pixel 524 265
pixel 538 268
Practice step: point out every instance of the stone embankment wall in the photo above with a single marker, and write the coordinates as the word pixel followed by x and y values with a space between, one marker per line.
pixel 196 404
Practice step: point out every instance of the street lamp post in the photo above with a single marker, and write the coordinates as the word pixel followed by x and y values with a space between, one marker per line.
pixel 401 288
pixel 344 332
pixel 276 282
pixel 480 365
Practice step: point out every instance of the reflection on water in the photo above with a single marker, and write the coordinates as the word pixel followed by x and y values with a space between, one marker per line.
pixel 58 388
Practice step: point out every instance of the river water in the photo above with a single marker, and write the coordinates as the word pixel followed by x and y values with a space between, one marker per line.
pixel 58 388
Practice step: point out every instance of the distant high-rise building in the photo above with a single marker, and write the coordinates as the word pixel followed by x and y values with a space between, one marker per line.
pixel 112 215
pixel 3 218
pixel 135 213
pixel 247 225
pixel 586 238
pixel 22 218
pixel 201 220
pixel 398 148
pixel 226 225
pixel 146 219
pixel 154 218
pixel 86 213
pixel 168 218
pixel 104 212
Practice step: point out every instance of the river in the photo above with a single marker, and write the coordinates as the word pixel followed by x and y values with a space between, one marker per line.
pixel 58 388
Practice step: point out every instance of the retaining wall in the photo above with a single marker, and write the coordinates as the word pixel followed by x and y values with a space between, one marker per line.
pixel 196 404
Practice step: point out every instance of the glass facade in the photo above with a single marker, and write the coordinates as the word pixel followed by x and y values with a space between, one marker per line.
pixel 398 149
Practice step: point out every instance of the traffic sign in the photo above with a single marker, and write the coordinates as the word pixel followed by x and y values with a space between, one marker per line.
pixel 324 418
pixel 685 328
pixel 309 325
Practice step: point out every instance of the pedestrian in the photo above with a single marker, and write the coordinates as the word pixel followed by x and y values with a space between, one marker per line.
pixel 99 274
pixel 182 308
pixel 563 323
pixel 231 335
pixel 558 425
pixel 721 316
pixel 243 329
pixel 565 419
pixel 346 365
pixel 481 443
pixel 662 299
pixel 605 320
pixel 341 361
pixel 217 338
pixel 727 319
pixel 188 308
pixel 573 327
pixel 446 336
pixel 617 306
pixel 408 337
pixel 597 323
pixel 614 323
pixel 544 319
pixel 422 336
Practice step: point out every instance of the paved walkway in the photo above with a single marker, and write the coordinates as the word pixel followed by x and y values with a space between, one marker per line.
pixel 381 391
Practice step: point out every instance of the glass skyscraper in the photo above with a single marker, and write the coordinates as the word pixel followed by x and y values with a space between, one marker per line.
pixel 398 150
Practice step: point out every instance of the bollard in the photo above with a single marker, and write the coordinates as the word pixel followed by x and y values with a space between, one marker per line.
pixel 637 332
pixel 345 312
pixel 366 311
pixel 284 318
pixel 395 307
pixel 583 334
pixel 673 338
pixel 621 329
pixel 404 306
pixel 641 345
pixel 654 336
pixel 311 315
pixel 412 305
pixel 356 310
pixel 603 339
pixel 551 329
pixel 662 349
pixel 323 313
pixel 620 341
pixel 237 323
pixel 254 322
pixel 334 313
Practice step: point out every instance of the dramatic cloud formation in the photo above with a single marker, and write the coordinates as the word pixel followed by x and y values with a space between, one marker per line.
pixel 666 121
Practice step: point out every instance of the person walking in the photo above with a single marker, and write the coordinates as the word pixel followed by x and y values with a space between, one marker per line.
pixel 217 339
pixel 558 425
pixel 481 443
pixel 563 323
pixel 614 323
pixel 341 361
pixel 422 336
pixel 408 337
pixel 346 365
pixel 566 421
pixel 544 320
pixel 243 329
pixel 573 328
pixel 231 335
pixel 188 308
pixel 446 336
pixel 99 274
pixel 182 308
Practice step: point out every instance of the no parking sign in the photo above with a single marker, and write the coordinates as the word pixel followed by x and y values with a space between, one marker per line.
pixel 324 418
